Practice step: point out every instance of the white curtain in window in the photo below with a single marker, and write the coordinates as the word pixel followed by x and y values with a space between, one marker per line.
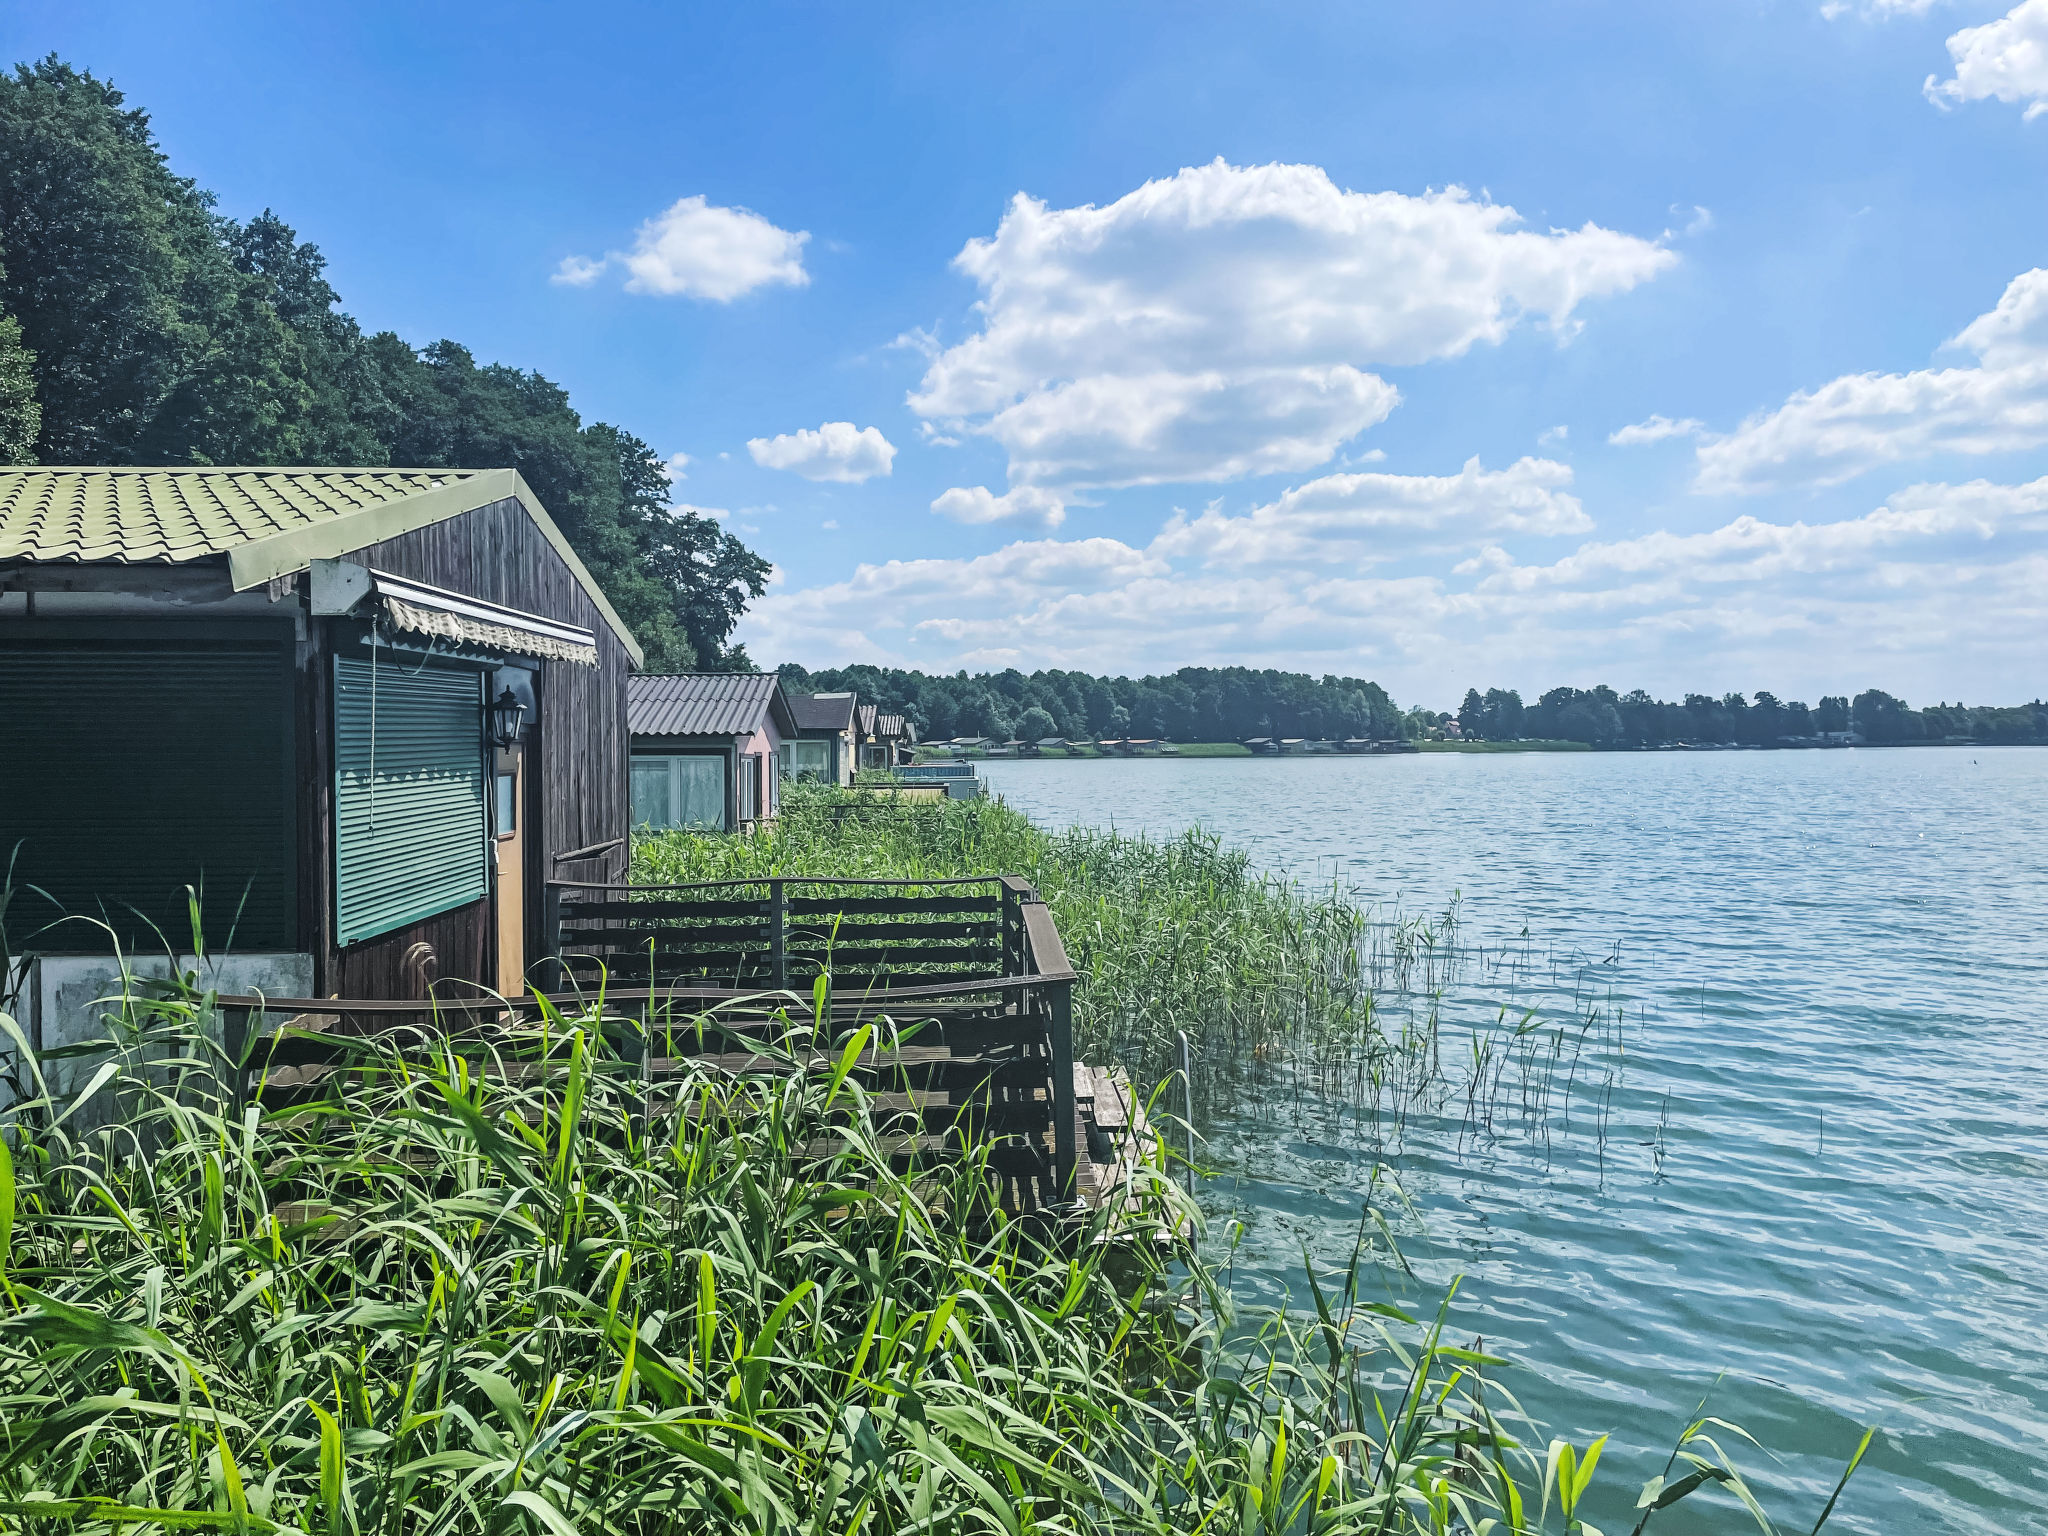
pixel 652 803
pixel 679 791
pixel 700 793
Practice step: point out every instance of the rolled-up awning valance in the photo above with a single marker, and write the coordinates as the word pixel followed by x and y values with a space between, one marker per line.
pixel 429 610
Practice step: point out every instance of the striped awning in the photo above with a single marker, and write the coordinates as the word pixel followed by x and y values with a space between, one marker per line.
pixel 425 610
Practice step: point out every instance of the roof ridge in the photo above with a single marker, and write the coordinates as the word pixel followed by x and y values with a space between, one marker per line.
pixel 242 469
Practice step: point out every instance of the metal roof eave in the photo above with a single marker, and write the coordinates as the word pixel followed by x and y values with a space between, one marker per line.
pixel 785 717
pixel 282 554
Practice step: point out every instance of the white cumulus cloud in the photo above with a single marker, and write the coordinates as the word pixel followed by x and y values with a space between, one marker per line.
pixel 699 250
pixel 1944 588
pixel 1224 321
pixel 838 450
pixel 1831 434
pixel 1362 519
pixel 979 504
pixel 577 271
pixel 1654 429
pixel 2003 60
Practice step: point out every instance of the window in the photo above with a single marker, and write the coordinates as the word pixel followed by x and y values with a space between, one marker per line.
pixel 409 832
pixel 679 790
pixel 652 803
pixel 506 786
pixel 750 787
pixel 808 757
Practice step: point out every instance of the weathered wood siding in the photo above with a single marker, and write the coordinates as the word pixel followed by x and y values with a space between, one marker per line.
pixel 576 752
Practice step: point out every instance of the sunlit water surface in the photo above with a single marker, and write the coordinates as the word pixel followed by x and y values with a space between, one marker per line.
pixel 1812 1163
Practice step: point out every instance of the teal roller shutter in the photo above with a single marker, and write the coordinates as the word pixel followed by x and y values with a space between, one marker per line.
pixel 408 793
pixel 130 771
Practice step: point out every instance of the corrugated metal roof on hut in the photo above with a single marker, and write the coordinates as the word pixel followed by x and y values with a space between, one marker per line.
pixel 268 522
pixel 703 703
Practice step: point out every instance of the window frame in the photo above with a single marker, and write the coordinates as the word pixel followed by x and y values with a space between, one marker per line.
pixel 826 769
pixel 670 757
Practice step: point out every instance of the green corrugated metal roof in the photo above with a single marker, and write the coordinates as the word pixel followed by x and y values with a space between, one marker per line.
pixel 181 514
pixel 268 522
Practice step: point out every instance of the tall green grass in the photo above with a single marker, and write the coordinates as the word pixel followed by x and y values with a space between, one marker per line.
pixel 1168 935
pixel 497 1286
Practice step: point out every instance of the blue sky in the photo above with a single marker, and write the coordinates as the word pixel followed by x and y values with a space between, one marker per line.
pixel 1305 348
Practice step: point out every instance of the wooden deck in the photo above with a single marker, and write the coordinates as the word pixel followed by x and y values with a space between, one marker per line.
pixel 966 982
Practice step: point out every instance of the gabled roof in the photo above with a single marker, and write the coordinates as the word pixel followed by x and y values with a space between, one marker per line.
pixel 822 711
pixel 889 725
pixel 706 704
pixel 267 521
pixel 866 715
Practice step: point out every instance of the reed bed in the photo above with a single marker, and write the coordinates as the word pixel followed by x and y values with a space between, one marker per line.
pixel 1168 935
pixel 495 1285
pixel 1300 1005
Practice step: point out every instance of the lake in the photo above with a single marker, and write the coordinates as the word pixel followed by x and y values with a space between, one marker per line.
pixel 1806 1155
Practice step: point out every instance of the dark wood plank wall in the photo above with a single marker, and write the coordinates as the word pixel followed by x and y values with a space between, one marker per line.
pixel 576 753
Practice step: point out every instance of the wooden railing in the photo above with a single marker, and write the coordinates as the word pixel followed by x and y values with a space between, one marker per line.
pixel 979 957
pixel 972 972
pixel 781 932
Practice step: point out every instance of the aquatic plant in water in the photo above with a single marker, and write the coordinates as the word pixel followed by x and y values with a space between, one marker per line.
pixel 493 1283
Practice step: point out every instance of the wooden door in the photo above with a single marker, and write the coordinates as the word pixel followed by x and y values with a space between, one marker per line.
pixel 509 796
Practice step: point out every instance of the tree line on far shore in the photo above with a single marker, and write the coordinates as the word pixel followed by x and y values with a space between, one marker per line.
pixel 1600 717
pixel 139 326
pixel 1193 704
pixel 1239 703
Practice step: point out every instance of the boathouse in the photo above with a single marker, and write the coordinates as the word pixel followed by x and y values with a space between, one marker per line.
pixel 707 749
pixel 822 746
pixel 884 738
pixel 362 714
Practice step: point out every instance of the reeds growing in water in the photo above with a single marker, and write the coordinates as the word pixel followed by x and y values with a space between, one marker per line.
pixel 490 1285
pixel 1297 1003
pixel 1169 935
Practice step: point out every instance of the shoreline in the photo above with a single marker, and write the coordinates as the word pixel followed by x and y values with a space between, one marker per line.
pixel 1221 749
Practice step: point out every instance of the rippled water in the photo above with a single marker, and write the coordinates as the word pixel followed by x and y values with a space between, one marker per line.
pixel 1815 1156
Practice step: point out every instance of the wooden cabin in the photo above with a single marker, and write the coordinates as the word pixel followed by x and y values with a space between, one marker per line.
pixel 884 739
pixel 364 713
pixel 707 749
pixel 822 746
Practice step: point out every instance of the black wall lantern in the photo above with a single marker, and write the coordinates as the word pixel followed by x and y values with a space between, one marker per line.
pixel 507 716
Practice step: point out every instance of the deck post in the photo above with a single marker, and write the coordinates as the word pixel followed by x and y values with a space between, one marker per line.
pixel 551 910
pixel 1059 1004
pixel 1016 892
pixel 778 933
